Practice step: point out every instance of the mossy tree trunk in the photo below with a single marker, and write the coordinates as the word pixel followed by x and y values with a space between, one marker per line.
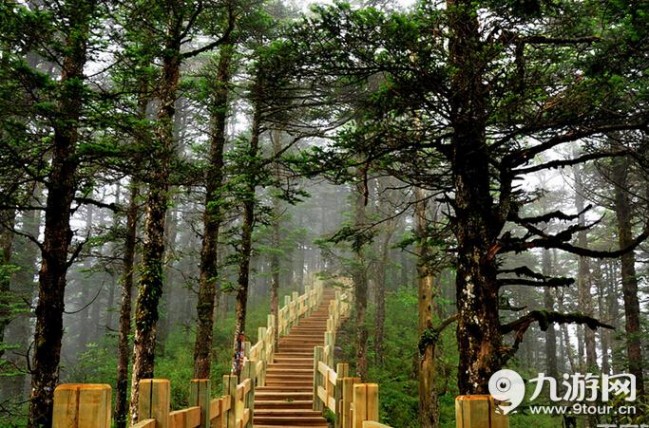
pixel 249 203
pixel 428 395
pixel 125 311
pixel 150 282
pixel 212 217
pixel 477 223
pixel 57 236
pixel 628 273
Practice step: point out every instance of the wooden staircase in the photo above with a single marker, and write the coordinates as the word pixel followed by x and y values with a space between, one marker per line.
pixel 287 398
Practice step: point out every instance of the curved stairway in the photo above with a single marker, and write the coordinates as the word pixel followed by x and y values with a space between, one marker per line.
pixel 287 398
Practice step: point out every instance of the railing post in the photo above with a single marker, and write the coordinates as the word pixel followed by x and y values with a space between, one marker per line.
pixel 249 399
pixel 366 404
pixel 342 371
pixel 318 352
pixel 295 309
pixel 154 402
pixel 199 395
pixel 347 400
pixel 82 406
pixel 478 411
pixel 263 354
pixel 287 315
pixel 329 349
pixel 230 390
pixel 307 299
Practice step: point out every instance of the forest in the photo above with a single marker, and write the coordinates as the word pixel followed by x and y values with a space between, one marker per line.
pixel 474 172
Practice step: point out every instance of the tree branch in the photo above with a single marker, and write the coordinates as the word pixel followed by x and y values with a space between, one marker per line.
pixel 569 162
pixel 89 201
pixel 545 218
pixel 223 39
pixel 546 318
pixel 430 336
pixel 548 282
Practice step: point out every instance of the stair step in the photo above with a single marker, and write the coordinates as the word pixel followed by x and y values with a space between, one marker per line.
pixel 283 404
pixel 286 400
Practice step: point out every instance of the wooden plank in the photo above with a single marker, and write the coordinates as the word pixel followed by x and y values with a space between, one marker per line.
pixel 216 407
pixel 185 418
pixel 82 405
pixel 147 423
pixel 230 392
pixel 199 395
pixel 372 404
pixel 322 394
pixel 331 405
pixel 332 377
pixel 374 424
pixel 154 402
pixel 323 368
pixel 347 400
pixel 317 359
pixel 473 411
pixel 66 406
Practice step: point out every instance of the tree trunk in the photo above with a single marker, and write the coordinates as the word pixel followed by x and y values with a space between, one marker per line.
pixel 18 331
pixel 359 277
pixel 128 263
pixel 477 221
pixel 247 227
pixel 428 394
pixel 7 222
pixel 151 278
pixel 212 219
pixel 276 241
pixel 629 279
pixel 605 315
pixel 550 335
pixel 61 186
pixel 584 277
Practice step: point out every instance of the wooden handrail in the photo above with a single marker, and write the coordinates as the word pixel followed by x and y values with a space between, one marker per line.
pixel 478 411
pixel 89 405
pixel 352 402
pixel 295 307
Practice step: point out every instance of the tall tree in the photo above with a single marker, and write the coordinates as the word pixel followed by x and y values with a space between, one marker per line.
pixel 468 112
pixel 623 212
pixel 75 19
pixel 428 400
pixel 213 215
pixel 178 20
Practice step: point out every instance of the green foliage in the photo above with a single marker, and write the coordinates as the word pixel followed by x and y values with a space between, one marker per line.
pixel 96 364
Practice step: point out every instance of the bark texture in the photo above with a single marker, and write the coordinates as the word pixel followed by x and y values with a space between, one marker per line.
pixel 212 219
pixel 127 280
pixel 61 187
pixel 477 223
pixel 151 276
pixel 629 279
pixel 428 394
pixel 247 227
pixel 551 334
pixel 584 277
pixel 359 277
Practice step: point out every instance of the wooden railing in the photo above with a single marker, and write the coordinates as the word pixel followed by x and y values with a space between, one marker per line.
pixel 89 405
pixel 353 403
pixel 478 411
pixel 295 307
pixel 339 310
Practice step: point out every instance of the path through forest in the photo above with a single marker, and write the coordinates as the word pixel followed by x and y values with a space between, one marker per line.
pixel 287 398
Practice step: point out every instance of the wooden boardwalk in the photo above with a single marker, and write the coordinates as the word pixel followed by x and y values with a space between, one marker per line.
pixel 287 398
